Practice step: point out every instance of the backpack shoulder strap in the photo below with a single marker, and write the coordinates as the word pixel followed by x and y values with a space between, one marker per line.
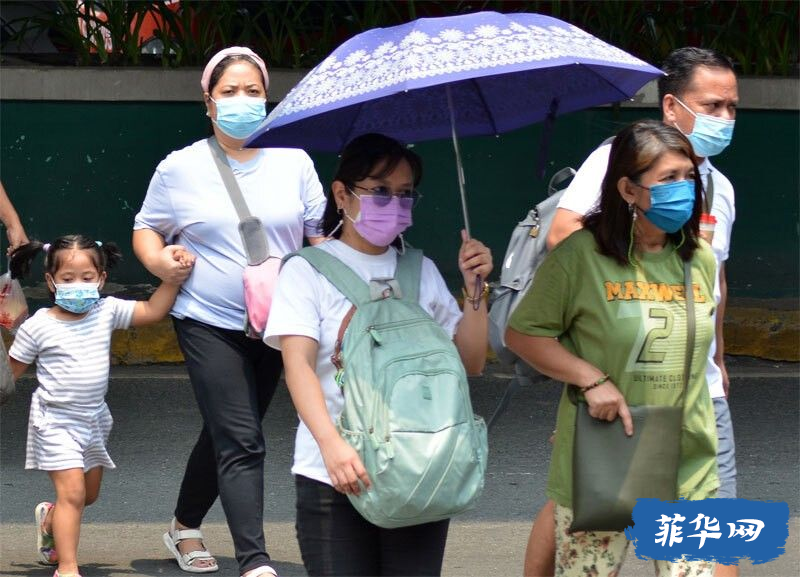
pixel 409 273
pixel 338 273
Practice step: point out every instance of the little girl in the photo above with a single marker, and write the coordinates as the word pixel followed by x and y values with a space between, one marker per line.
pixel 69 420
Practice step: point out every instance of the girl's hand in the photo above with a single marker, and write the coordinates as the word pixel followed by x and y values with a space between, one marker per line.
pixel 344 467
pixel 174 264
pixel 184 258
pixel 607 403
pixel 474 259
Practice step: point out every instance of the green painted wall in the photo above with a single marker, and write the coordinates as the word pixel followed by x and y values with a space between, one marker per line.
pixel 84 167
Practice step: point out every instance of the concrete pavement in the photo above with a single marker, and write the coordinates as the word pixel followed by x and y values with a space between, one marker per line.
pixel 156 421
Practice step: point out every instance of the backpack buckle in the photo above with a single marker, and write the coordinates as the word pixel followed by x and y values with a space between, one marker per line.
pixel 384 288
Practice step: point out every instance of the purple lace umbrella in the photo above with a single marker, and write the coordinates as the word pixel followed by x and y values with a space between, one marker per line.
pixel 474 74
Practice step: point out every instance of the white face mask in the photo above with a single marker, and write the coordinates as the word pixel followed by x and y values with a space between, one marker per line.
pixel 711 135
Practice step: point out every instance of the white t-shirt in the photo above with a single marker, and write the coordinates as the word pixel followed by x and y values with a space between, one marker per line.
pixel 188 204
pixel 306 303
pixel 583 194
pixel 72 357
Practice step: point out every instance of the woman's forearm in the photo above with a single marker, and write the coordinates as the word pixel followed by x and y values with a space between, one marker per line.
pixel 147 245
pixel 299 354
pixel 549 357
pixel 472 337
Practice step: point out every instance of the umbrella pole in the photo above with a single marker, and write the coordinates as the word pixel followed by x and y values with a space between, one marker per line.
pixel 461 188
pixel 459 165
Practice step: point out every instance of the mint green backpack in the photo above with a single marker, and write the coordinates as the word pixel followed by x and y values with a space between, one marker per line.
pixel 407 409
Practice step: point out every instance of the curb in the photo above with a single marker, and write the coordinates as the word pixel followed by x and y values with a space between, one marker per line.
pixel 749 331
pixel 765 329
pixel 765 333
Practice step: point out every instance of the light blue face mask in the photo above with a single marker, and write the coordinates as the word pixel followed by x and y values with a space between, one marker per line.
pixel 671 204
pixel 77 297
pixel 240 116
pixel 711 135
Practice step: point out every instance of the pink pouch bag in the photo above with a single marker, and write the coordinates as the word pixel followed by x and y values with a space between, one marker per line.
pixel 259 286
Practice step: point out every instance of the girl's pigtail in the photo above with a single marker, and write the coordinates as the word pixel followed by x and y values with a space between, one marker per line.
pixel 21 258
pixel 112 253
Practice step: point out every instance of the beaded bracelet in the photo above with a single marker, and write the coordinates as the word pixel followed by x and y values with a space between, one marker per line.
pixel 475 300
pixel 597 383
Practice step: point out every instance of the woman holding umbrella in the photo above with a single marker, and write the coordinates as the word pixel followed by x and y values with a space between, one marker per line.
pixel 616 344
pixel 369 207
pixel 233 376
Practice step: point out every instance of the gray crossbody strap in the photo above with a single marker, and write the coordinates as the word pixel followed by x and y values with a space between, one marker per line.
pixel 690 327
pixel 229 179
pixel 256 245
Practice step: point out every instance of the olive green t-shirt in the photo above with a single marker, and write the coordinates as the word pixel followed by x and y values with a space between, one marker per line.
pixel 629 322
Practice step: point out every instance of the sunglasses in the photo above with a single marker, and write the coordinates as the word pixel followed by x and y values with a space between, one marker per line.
pixel 383 195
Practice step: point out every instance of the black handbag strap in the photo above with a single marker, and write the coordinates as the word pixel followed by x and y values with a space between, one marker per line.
pixel 231 185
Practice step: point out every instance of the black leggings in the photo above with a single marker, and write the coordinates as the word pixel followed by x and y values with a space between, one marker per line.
pixel 234 378
pixel 336 540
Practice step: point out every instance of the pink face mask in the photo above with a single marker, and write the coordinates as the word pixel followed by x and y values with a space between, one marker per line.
pixel 380 224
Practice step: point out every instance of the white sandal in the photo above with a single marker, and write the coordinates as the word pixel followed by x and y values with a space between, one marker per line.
pixel 262 571
pixel 186 562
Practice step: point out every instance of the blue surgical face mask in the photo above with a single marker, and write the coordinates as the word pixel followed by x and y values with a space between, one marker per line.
pixel 671 204
pixel 240 116
pixel 711 135
pixel 77 297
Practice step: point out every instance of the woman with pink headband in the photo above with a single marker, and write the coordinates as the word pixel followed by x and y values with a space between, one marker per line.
pixel 234 377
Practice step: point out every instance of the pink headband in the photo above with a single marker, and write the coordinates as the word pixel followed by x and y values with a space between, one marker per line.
pixel 232 51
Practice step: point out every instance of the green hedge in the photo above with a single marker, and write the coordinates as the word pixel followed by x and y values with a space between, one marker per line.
pixel 761 36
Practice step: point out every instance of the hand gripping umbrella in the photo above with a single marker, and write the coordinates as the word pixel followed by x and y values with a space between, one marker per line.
pixel 475 74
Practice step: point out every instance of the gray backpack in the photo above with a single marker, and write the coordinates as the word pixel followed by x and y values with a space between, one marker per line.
pixel 407 409
pixel 526 250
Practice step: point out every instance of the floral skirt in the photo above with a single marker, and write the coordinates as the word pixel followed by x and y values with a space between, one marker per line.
pixel 601 553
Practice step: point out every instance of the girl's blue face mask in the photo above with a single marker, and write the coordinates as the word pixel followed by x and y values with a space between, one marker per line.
pixel 77 297
pixel 240 116
pixel 671 204
pixel 711 135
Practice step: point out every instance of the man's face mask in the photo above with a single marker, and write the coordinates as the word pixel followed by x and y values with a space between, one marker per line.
pixel 711 135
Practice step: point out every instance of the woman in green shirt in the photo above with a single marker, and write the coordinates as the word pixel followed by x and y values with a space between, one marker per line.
pixel 606 313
